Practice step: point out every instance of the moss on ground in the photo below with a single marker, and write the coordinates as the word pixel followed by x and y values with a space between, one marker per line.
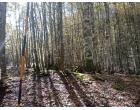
pixel 119 85
pixel 99 78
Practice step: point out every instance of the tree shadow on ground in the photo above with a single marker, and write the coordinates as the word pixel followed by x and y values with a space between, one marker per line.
pixel 39 92
pixel 34 102
pixel 2 92
pixel 70 89
pixel 71 85
pixel 96 103
pixel 49 92
pixel 72 79
pixel 55 93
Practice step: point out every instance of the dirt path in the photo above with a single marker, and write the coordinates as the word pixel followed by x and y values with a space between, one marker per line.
pixel 64 90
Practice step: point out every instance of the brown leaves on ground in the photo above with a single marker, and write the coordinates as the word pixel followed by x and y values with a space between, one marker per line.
pixel 74 89
pixel 116 90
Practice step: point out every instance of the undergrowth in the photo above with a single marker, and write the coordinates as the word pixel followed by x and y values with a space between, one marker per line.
pixel 118 85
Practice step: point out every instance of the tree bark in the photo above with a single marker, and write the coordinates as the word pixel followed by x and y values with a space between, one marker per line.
pixel 2 38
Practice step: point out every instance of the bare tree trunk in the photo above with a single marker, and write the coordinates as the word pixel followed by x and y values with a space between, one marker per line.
pixel 60 35
pixel 51 33
pixel 87 33
pixel 2 38
pixel 34 39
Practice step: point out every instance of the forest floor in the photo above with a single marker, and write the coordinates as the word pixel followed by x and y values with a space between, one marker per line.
pixel 72 90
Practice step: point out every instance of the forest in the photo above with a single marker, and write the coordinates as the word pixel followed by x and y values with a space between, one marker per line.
pixel 69 54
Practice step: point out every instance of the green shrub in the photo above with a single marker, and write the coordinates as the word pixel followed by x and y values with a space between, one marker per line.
pixel 89 65
pixel 79 76
pixel 118 85
pixel 78 69
pixel 99 78
pixel 54 67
